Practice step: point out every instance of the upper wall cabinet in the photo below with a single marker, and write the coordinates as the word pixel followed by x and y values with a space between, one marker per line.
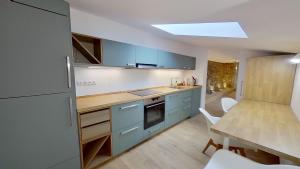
pixel 91 50
pixel 170 60
pixel 185 62
pixel 118 54
pixel 167 60
pixel 145 55
pixel 56 6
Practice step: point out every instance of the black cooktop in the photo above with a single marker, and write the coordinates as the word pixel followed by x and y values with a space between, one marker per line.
pixel 147 92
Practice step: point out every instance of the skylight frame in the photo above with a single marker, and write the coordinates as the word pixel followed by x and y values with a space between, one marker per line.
pixel 216 29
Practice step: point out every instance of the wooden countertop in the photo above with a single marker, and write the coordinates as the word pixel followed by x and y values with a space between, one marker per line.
pixel 267 126
pixel 96 102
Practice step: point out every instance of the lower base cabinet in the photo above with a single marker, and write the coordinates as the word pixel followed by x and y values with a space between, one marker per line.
pixel 153 130
pixel 171 118
pixel 127 138
pixel 73 163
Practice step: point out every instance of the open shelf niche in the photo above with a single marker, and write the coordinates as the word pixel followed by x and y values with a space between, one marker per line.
pixel 96 152
pixel 86 49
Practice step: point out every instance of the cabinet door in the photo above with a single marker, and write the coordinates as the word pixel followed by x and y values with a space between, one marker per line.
pixel 118 54
pixel 167 60
pixel 185 62
pixel 74 163
pixel 126 138
pixel 128 114
pixel 196 99
pixel 38 132
pixel 34 46
pixel 56 6
pixel 146 55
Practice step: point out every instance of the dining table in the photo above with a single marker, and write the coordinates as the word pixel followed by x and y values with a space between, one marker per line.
pixel 270 127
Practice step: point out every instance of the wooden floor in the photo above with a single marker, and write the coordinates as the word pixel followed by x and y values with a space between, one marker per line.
pixel 179 147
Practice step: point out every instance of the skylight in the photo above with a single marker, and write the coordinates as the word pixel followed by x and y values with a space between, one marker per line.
pixel 219 29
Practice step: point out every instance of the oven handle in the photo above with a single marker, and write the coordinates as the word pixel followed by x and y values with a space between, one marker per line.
pixel 128 131
pixel 155 105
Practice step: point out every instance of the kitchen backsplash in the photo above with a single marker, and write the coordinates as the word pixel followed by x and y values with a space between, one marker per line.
pixel 91 81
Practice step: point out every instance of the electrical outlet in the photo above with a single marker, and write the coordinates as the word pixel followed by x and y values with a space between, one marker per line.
pixel 85 83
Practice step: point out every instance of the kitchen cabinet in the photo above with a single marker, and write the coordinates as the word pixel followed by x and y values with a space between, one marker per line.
pixel 118 54
pixel 35 45
pixel 167 60
pixel 55 6
pixel 196 100
pixel 186 104
pixel 170 60
pixel 127 114
pixel 127 125
pixel 173 107
pixel 153 130
pixel 146 55
pixel 38 132
pixel 186 62
pixel 73 163
pixel 126 138
pixel 38 122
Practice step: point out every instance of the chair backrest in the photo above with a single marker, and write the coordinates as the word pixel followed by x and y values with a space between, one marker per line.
pixel 227 103
pixel 211 119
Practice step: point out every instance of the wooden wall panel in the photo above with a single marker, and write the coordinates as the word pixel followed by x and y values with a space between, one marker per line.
pixel 269 79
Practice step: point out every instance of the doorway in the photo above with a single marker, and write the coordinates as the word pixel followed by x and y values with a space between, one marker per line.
pixel 221 82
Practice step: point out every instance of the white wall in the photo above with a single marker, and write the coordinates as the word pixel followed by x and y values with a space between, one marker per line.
pixel 116 79
pixel 296 93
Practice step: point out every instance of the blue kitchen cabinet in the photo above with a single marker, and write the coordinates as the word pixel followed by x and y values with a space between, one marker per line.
pixel 126 115
pixel 55 6
pixel 149 132
pixel 127 126
pixel 185 62
pixel 170 60
pixel 118 54
pixel 167 60
pixel 196 100
pixel 173 109
pixel 144 55
pixel 126 138
pixel 186 104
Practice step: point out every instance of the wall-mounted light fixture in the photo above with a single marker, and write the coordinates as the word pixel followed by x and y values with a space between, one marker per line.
pixel 296 59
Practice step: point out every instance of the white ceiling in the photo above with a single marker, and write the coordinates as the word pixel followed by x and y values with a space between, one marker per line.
pixel 271 25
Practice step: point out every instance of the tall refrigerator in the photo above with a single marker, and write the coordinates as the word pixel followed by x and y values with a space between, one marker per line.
pixel 38 121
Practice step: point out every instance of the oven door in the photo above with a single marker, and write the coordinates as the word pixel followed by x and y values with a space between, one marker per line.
pixel 154 114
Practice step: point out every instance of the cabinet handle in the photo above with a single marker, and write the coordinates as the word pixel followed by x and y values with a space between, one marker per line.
pixel 128 107
pixel 71 110
pixel 129 131
pixel 69 71
pixel 242 86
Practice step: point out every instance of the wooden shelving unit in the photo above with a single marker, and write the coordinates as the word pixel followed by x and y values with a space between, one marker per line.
pixel 89 49
pixel 96 144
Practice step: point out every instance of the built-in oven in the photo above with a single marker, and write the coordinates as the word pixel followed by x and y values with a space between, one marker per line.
pixel 154 111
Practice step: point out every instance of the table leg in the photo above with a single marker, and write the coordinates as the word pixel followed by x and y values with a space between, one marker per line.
pixel 226 143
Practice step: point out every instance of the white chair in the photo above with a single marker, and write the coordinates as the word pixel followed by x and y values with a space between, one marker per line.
pixel 216 140
pixel 227 103
pixel 224 159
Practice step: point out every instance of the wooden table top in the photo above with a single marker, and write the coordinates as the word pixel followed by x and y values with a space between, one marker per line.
pixel 96 102
pixel 267 126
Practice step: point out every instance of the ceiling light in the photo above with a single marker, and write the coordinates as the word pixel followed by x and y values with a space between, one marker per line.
pixel 219 29
pixel 296 59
